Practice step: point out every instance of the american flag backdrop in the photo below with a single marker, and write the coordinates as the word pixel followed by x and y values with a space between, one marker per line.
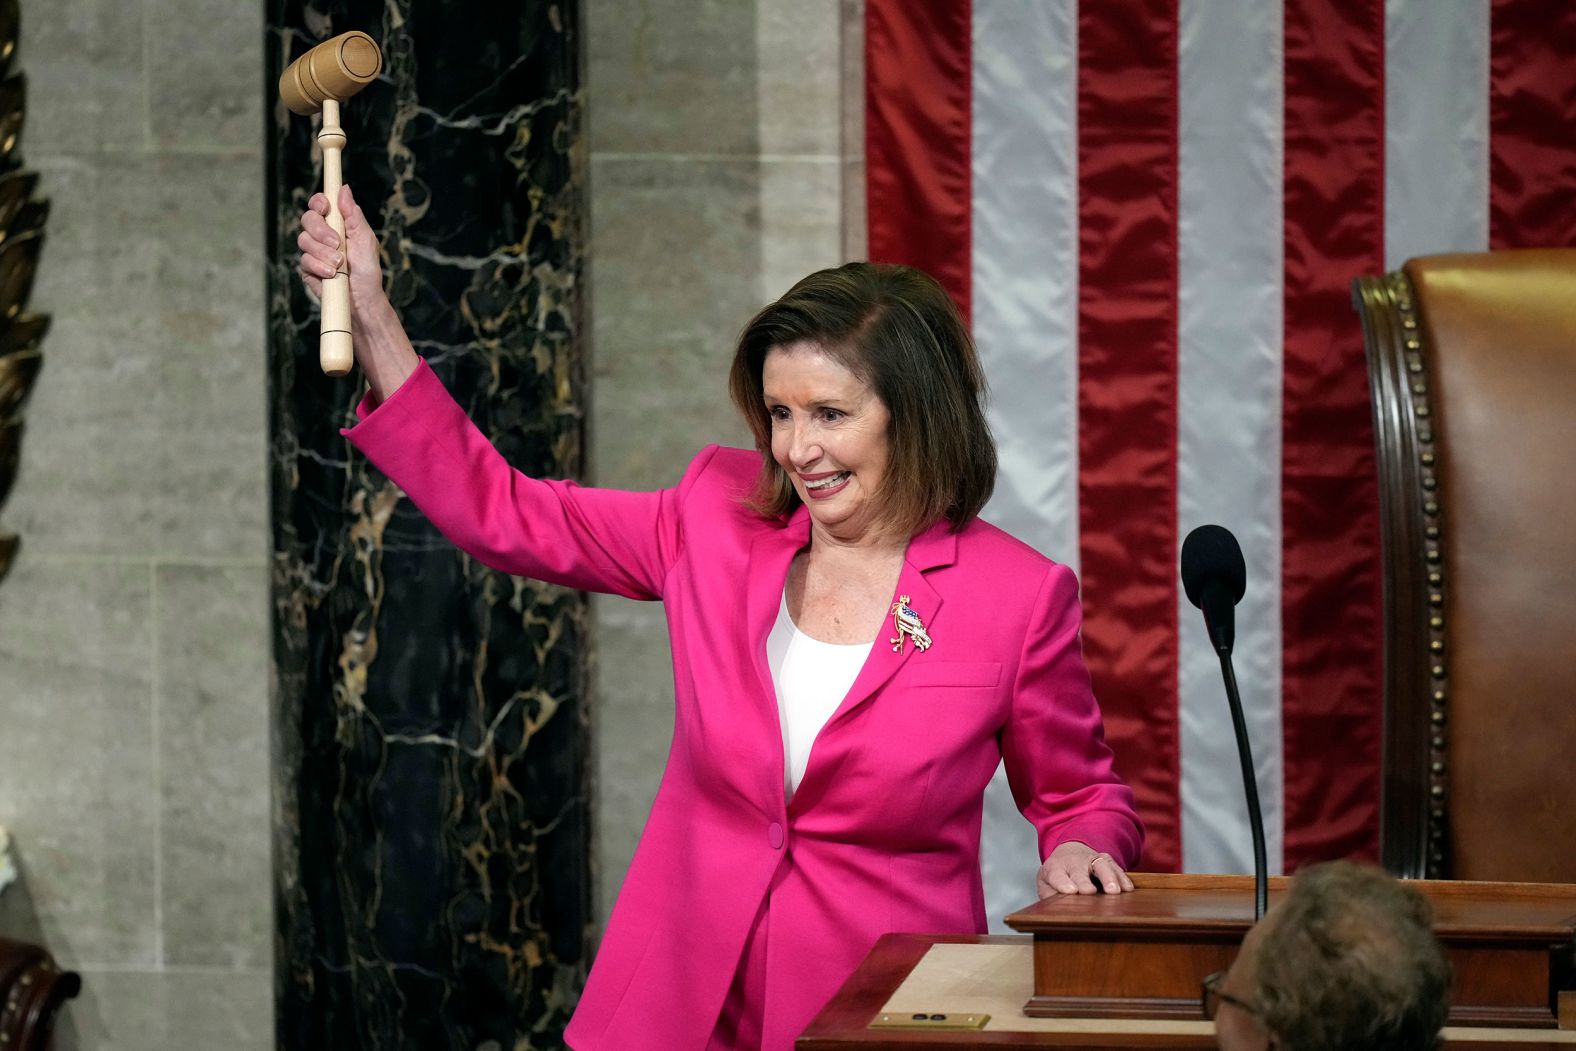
pixel 1152 212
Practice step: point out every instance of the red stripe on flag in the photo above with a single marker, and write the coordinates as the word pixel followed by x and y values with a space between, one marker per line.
pixel 1532 111
pixel 1334 232
pixel 918 80
pixel 1127 392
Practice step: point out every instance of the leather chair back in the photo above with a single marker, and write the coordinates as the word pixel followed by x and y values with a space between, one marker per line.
pixel 1472 361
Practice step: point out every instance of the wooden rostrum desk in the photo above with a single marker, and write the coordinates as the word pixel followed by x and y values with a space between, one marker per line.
pixel 1124 971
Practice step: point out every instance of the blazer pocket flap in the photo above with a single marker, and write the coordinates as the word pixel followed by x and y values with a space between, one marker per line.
pixel 953 673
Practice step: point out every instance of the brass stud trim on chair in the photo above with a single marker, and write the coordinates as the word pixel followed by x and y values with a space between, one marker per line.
pixel 1417 680
pixel 34 990
pixel 1432 565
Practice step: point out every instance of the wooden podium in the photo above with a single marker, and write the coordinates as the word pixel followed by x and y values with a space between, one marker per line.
pixel 1142 956
pixel 1130 966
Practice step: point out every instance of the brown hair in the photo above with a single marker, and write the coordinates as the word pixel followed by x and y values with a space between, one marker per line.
pixel 896 329
pixel 1351 962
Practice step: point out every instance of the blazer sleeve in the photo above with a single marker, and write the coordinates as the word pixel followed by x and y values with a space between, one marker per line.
pixel 560 532
pixel 1058 763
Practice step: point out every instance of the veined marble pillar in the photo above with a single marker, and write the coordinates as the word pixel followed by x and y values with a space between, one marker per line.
pixel 431 773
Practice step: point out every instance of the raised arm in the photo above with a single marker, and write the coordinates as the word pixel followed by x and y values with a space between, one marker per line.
pixel 560 532
pixel 594 539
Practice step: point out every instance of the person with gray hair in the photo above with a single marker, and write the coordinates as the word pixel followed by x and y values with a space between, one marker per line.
pixel 1348 960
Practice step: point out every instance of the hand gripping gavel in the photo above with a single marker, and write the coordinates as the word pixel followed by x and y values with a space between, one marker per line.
pixel 320 80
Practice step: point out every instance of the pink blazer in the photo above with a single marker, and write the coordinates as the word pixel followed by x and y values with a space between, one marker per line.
pixel 883 832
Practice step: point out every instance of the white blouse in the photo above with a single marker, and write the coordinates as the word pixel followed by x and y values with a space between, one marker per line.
pixel 812 678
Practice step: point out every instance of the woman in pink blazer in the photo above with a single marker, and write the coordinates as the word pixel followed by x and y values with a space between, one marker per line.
pixel 832 586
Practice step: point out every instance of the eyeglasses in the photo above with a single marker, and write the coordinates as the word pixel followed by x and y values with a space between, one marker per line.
pixel 1210 998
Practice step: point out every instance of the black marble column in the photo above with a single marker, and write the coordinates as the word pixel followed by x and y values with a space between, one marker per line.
pixel 431 736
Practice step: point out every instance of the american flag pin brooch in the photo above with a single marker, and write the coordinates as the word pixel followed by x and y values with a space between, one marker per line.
pixel 907 623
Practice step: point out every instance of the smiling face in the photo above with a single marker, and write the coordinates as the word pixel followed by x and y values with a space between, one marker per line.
pixel 829 434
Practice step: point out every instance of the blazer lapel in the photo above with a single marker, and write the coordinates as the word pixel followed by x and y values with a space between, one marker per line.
pixel 770 555
pixel 935 547
pixel 929 550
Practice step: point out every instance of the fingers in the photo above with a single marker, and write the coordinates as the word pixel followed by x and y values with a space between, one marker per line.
pixel 322 243
pixel 1083 878
pixel 317 206
pixel 1066 872
pixel 347 204
pixel 319 245
pixel 325 253
pixel 1074 868
pixel 1112 879
pixel 362 242
pixel 321 256
pixel 317 226
pixel 357 229
pixel 312 265
pixel 1054 879
pixel 321 251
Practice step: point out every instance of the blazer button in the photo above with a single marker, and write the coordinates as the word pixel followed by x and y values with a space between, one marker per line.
pixel 774 835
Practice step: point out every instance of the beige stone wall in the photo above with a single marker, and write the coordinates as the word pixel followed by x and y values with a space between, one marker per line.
pixel 716 182
pixel 134 628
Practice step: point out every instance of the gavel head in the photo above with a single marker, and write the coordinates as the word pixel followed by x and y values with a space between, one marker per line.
pixel 335 69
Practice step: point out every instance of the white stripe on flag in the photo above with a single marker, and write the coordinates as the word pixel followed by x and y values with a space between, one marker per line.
pixel 1025 296
pixel 1025 263
pixel 1436 128
pixel 1229 406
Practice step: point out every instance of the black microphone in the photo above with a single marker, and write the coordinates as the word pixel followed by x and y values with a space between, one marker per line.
pixel 1215 579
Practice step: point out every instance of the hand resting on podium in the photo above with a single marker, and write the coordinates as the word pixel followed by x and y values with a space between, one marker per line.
pixel 1074 868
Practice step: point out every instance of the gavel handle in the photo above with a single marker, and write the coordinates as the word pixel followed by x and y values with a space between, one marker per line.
pixel 334 350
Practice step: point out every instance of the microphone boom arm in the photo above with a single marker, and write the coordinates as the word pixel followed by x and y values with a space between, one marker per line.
pixel 1250 786
pixel 1215 579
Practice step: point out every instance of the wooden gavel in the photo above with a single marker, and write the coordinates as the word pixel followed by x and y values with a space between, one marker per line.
pixel 320 80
